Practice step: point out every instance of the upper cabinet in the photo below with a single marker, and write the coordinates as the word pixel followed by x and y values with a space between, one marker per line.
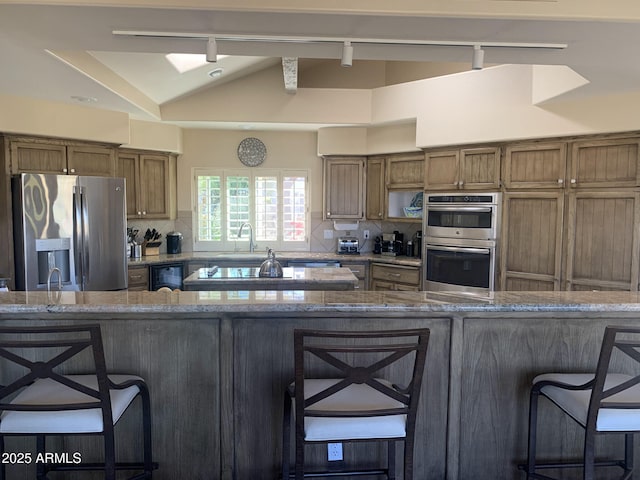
pixel 405 171
pixel 60 157
pixel 535 165
pixel 343 188
pixel 375 188
pixel 149 178
pixel 605 163
pixel 464 169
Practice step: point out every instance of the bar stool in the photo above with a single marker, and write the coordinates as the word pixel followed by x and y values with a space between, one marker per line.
pixel 601 403
pixel 43 402
pixel 356 404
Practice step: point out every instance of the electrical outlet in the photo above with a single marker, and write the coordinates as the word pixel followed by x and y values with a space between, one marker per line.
pixel 328 234
pixel 366 234
pixel 334 452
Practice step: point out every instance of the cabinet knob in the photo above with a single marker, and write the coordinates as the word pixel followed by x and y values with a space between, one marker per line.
pixel 460 183
pixel 64 170
pixel 73 170
pixel 139 212
pixel 560 181
pixel 328 214
pixel 573 181
pixel 144 213
pixel 380 214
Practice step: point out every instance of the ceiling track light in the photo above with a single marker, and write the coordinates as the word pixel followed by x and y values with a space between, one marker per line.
pixel 477 62
pixel 212 50
pixel 347 54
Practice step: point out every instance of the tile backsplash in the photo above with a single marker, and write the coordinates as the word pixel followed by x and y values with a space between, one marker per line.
pixel 183 224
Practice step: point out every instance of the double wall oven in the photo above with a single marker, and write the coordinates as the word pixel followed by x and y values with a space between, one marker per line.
pixel 460 242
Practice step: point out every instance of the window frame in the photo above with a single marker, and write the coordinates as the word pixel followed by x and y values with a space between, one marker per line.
pixel 242 244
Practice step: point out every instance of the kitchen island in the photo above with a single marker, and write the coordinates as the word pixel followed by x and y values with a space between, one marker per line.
pixel 293 278
pixel 218 362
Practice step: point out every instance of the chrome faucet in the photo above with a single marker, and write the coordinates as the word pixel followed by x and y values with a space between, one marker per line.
pixel 251 244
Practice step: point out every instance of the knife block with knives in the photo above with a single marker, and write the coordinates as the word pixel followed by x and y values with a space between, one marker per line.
pixel 151 243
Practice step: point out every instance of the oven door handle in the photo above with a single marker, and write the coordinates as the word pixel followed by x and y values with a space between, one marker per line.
pixel 484 251
pixel 449 208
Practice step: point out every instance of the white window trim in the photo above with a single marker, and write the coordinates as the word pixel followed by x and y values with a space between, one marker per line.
pixel 242 245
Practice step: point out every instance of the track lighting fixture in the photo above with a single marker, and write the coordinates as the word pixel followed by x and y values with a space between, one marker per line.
pixel 347 54
pixel 212 50
pixel 477 62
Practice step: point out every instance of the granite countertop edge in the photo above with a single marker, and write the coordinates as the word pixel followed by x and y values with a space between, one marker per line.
pixel 299 301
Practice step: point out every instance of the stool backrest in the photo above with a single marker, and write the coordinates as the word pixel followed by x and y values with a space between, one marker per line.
pixel 43 353
pixel 625 342
pixel 357 358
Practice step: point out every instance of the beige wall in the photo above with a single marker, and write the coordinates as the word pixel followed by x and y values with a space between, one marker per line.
pixel 218 149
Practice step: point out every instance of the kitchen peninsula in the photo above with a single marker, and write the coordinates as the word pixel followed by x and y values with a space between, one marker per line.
pixel 218 362
pixel 293 278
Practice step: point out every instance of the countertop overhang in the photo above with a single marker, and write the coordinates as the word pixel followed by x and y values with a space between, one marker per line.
pixel 256 301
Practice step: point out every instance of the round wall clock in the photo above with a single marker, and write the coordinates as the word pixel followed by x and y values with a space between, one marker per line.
pixel 252 152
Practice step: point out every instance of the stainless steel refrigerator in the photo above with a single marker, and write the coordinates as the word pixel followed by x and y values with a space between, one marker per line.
pixel 69 232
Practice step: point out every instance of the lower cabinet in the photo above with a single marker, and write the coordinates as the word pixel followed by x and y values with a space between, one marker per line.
pixel 361 271
pixel 138 278
pixel 395 277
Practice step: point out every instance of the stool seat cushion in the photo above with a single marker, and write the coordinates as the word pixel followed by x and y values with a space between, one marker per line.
pixel 355 397
pixel 576 402
pixel 47 391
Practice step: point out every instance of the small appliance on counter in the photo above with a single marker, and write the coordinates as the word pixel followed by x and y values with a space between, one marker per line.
pixel 348 245
pixel 271 267
pixel 392 244
pixel 174 242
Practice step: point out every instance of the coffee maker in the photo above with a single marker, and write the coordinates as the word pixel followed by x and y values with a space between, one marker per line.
pixel 392 243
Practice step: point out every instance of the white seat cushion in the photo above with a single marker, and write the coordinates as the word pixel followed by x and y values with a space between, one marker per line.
pixel 576 402
pixel 46 390
pixel 352 398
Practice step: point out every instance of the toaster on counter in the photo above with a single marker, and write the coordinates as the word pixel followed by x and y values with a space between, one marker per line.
pixel 348 245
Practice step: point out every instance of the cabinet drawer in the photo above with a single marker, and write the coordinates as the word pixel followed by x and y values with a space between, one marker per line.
pixel 396 273
pixel 138 277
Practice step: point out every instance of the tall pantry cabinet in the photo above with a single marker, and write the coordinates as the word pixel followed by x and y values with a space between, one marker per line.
pixel 570 216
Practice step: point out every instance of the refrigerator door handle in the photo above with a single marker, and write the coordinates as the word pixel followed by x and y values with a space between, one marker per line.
pixel 80 238
pixel 85 238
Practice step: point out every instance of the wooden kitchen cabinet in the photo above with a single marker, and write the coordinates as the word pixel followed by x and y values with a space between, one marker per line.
pixel 463 169
pixel 138 278
pixel 531 241
pixel 535 165
pixel 61 157
pixel 605 163
pixel 405 171
pixel 395 277
pixel 344 194
pixel 602 240
pixel 375 188
pixel 150 181
pixel 361 271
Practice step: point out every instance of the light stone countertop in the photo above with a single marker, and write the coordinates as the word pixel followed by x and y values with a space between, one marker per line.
pixel 313 301
pixel 281 256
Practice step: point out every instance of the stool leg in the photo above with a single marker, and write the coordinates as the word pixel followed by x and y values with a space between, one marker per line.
pixel 286 436
pixel 589 455
pixel 3 473
pixel 533 424
pixel 391 459
pixel 628 452
pixel 41 472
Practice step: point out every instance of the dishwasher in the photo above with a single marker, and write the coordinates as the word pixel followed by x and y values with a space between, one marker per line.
pixel 166 275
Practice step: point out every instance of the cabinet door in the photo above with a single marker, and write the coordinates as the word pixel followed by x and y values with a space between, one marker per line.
pixel 375 188
pixel 154 186
pixel 38 158
pixel 605 163
pixel 405 171
pixel 531 247
pixel 89 160
pixel 538 165
pixel 479 168
pixel 127 167
pixel 344 188
pixel 138 277
pixel 441 170
pixel 602 240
